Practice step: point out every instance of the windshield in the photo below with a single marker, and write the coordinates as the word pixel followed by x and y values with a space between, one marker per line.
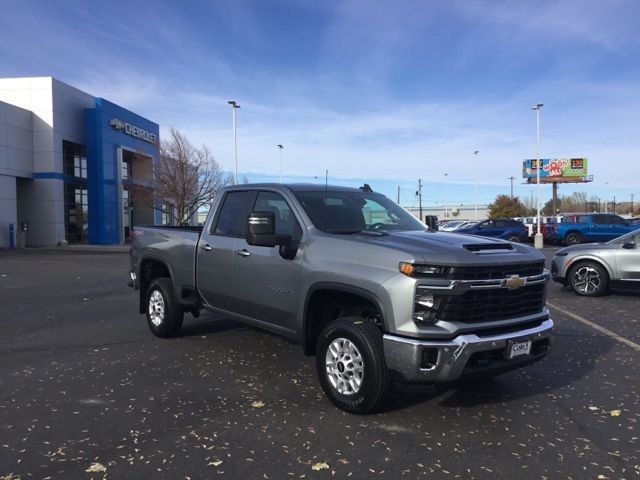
pixel 632 236
pixel 352 212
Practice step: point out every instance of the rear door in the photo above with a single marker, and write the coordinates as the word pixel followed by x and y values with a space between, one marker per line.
pixel 269 281
pixel 601 228
pixel 217 249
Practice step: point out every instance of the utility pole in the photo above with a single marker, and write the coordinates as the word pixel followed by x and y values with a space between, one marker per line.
pixel 398 202
pixel 511 178
pixel 419 195
pixel 614 204
pixel 632 210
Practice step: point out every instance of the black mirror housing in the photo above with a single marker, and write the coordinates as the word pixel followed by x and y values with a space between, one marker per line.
pixel 261 230
pixel 629 245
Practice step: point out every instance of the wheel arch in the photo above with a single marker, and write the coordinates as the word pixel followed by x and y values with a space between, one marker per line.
pixel 326 301
pixel 151 267
pixel 589 258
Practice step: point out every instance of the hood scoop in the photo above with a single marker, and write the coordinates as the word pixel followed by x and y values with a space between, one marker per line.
pixel 489 248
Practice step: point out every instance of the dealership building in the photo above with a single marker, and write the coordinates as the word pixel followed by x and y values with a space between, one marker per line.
pixel 74 168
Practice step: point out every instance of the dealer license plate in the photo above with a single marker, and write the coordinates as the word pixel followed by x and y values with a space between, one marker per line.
pixel 518 348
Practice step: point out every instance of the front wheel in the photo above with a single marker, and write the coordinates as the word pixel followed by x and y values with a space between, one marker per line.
pixel 513 237
pixel 351 365
pixel 164 314
pixel 588 279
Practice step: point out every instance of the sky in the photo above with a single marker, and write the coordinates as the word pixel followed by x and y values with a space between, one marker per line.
pixel 383 92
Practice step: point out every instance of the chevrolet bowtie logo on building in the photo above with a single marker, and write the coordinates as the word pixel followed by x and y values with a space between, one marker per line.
pixel 132 130
pixel 117 124
pixel 513 282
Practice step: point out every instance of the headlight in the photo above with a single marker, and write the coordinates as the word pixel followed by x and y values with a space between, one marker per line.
pixel 425 307
pixel 418 270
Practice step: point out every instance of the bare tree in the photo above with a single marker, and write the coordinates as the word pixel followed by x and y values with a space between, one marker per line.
pixel 187 178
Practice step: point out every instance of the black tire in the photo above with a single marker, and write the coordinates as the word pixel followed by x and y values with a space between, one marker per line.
pixel 514 237
pixel 574 238
pixel 588 279
pixel 375 381
pixel 171 319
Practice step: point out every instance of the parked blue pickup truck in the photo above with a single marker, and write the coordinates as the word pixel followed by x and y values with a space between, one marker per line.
pixel 595 227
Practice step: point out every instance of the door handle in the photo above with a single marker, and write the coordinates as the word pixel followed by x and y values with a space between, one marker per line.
pixel 206 247
pixel 243 253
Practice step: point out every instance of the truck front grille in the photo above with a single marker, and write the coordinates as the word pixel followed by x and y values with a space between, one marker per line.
pixel 493 272
pixel 493 304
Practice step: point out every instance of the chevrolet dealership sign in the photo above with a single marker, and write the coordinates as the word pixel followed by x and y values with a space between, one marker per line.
pixel 132 130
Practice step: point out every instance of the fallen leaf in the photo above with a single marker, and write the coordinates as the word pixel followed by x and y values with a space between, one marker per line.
pixel 319 466
pixel 216 463
pixel 257 404
pixel 615 413
pixel 96 468
pixel 593 409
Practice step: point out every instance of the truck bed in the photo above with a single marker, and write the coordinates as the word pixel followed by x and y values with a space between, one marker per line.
pixel 176 246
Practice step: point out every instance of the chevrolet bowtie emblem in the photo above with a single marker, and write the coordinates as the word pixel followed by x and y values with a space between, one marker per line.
pixel 514 281
pixel 117 124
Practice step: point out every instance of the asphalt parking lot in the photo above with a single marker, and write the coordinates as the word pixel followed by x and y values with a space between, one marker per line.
pixel 82 382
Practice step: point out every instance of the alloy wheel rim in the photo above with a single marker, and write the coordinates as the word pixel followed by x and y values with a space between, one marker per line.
pixel 345 366
pixel 586 280
pixel 156 308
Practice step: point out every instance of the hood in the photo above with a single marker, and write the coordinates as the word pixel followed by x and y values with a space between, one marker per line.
pixel 452 249
pixel 585 247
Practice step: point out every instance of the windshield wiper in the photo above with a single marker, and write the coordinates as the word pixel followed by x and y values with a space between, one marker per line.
pixel 377 233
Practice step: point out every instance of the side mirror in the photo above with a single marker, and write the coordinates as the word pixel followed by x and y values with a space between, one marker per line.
pixel 629 245
pixel 261 230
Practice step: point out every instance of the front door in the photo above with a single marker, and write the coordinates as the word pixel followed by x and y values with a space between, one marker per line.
pixel 270 283
pixel 628 259
pixel 217 250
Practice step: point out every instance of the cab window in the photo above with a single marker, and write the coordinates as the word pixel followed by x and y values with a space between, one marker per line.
pixel 286 222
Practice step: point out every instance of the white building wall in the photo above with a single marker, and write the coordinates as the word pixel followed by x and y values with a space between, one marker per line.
pixel 57 115
pixel 8 208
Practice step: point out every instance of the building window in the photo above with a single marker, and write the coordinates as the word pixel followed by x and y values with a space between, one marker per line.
pixel 167 214
pixel 76 212
pixel 74 159
pixel 125 169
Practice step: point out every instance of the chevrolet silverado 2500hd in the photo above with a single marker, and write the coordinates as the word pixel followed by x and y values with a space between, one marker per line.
pixel 368 289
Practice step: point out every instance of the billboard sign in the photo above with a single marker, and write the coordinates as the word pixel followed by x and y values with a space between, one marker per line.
pixel 556 169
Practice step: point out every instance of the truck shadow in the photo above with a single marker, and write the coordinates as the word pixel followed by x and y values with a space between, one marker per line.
pixel 570 360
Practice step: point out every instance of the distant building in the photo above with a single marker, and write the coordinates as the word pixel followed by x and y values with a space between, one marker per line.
pixel 453 212
pixel 69 163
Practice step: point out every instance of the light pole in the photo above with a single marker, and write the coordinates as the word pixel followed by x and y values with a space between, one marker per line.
pixel 538 243
pixel 606 199
pixel 234 106
pixel 446 212
pixel 475 186
pixel 419 195
pixel 511 178
pixel 281 147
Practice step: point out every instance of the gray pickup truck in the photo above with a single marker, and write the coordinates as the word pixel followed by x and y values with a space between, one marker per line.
pixel 368 289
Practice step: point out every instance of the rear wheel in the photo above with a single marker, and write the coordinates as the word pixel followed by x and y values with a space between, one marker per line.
pixel 164 315
pixel 351 366
pixel 573 238
pixel 588 279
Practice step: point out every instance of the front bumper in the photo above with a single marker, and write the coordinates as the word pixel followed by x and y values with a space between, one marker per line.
pixel 414 360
